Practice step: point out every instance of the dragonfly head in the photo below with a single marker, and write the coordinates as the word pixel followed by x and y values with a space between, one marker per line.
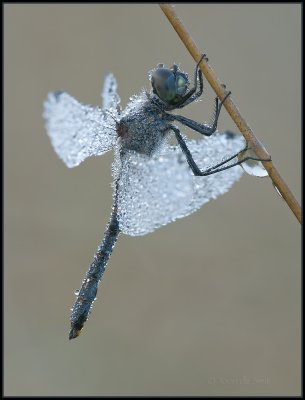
pixel 169 84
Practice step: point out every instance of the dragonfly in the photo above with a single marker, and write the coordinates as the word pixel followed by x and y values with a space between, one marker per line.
pixel 154 182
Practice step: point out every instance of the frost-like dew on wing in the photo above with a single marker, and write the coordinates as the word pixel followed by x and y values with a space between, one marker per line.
pixel 151 190
pixel 155 191
pixel 77 131
pixel 214 150
pixel 109 94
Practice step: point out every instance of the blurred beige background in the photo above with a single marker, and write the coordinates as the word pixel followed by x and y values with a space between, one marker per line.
pixel 208 305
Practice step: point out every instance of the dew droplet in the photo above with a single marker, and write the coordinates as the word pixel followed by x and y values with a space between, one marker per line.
pixel 277 191
pixel 252 167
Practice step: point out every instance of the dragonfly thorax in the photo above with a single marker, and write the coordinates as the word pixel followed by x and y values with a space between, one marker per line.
pixel 143 126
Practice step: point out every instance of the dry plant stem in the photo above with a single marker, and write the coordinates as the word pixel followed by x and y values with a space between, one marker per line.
pixel 232 109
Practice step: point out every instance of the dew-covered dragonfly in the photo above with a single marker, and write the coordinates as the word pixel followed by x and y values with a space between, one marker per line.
pixel 154 182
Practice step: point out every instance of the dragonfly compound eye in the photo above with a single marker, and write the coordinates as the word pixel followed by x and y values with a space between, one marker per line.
pixel 168 84
pixel 181 83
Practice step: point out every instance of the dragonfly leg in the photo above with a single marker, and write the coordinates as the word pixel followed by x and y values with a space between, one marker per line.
pixel 204 129
pixel 216 168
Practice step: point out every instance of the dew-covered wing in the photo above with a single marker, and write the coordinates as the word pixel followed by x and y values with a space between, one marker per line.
pixel 77 131
pixel 155 191
pixel 151 192
pixel 210 152
pixel 110 97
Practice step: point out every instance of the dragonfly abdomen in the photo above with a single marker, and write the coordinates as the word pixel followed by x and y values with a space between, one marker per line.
pixel 87 293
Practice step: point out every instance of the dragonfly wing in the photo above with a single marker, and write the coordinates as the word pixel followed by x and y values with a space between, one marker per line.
pixel 151 192
pixel 210 152
pixel 110 97
pixel 77 131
